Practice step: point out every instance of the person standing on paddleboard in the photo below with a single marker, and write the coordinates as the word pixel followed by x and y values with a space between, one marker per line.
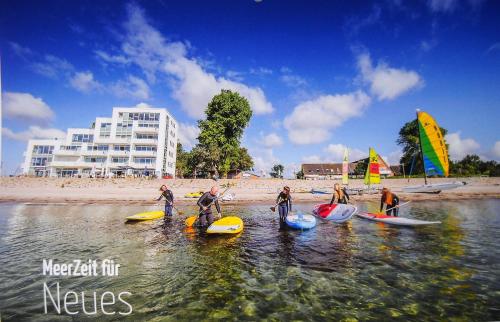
pixel 206 217
pixel 284 202
pixel 391 202
pixel 169 200
pixel 339 195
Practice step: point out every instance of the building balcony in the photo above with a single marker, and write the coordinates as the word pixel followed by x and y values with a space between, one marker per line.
pixel 145 129
pixel 69 164
pixel 141 166
pixel 112 140
pixel 121 153
pixel 94 152
pixel 67 152
pixel 143 153
pixel 145 141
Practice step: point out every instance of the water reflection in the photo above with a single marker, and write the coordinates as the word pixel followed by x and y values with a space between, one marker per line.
pixel 358 270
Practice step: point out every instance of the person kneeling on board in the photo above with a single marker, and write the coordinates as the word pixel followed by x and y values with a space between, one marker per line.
pixel 206 217
pixel 391 202
pixel 284 202
pixel 339 195
pixel 169 200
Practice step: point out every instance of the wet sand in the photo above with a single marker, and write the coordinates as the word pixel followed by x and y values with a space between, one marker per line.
pixel 143 191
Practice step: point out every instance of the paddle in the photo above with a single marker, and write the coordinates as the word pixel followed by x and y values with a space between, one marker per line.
pixel 192 219
pixel 398 206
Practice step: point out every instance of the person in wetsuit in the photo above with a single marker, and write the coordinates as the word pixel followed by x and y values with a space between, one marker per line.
pixel 339 195
pixel 169 200
pixel 206 217
pixel 390 200
pixel 284 202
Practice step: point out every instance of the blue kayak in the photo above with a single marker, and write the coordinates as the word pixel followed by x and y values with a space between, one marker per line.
pixel 300 221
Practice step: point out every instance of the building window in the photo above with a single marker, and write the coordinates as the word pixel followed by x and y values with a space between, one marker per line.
pixel 145 148
pixel 97 147
pixel 145 160
pixel 83 138
pixel 40 162
pixel 43 149
pixel 146 136
pixel 121 148
pixel 95 159
pixel 119 159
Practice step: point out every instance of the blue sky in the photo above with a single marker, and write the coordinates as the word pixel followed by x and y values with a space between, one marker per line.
pixel 319 75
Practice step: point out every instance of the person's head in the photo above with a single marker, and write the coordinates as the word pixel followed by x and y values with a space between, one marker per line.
pixel 163 188
pixel 286 189
pixel 214 190
pixel 385 190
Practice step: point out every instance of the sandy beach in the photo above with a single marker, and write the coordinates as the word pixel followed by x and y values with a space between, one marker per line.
pixel 143 191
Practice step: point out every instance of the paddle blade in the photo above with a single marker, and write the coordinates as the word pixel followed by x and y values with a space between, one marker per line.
pixel 191 220
pixel 273 209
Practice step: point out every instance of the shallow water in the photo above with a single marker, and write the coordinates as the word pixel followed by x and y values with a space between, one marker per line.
pixel 356 271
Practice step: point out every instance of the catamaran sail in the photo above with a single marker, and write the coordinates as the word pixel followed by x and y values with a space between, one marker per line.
pixel 345 168
pixel 372 175
pixel 434 155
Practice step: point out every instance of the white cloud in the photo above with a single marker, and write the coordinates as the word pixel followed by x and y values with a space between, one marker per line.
pixel 84 82
pixel 394 157
pixel 188 135
pixel 311 121
pixel 26 107
pixel 134 87
pixel 23 52
pixel 191 85
pixel 272 140
pixel 386 82
pixel 261 71
pixel 495 151
pixel 34 132
pixel 458 147
pixel 293 80
pixel 334 153
pixel 115 59
pixel 52 67
pixel 263 160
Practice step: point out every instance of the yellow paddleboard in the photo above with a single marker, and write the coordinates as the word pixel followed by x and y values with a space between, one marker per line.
pixel 150 215
pixel 226 225
pixel 194 194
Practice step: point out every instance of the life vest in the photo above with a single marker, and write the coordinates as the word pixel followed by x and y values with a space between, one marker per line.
pixel 388 198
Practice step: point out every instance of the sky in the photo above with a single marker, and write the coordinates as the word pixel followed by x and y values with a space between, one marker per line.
pixel 320 76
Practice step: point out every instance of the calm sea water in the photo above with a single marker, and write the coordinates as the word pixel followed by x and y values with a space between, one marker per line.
pixel 356 271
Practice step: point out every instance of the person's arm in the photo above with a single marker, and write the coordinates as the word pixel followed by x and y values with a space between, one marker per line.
pixel 201 199
pixel 278 199
pixel 382 203
pixel 171 197
pixel 396 199
pixel 333 199
pixel 289 202
pixel 159 197
pixel 346 194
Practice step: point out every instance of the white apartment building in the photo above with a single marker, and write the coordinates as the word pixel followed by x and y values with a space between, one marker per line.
pixel 133 141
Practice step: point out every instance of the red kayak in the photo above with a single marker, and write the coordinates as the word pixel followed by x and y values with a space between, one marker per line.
pixel 336 212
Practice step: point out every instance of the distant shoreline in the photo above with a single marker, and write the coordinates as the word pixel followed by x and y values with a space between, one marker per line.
pixel 262 191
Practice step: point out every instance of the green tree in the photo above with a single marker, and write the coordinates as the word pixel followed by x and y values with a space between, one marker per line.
pixel 277 171
pixel 361 167
pixel 409 140
pixel 300 174
pixel 228 114
pixel 181 164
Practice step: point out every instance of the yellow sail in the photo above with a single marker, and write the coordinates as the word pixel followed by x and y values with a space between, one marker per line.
pixel 372 175
pixel 435 155
pixel 345 168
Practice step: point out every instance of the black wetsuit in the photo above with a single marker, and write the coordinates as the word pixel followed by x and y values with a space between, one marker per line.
pixel 284 202
pixel 169 202
pixel 344 199
pixel 395 201
pixel 206 200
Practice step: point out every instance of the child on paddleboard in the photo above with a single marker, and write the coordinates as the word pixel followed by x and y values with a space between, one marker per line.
pixel 169 200
pixel 284 203
pixel 391 202
pixel 339 195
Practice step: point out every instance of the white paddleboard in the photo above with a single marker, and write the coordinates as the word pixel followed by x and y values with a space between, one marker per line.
pixel 399 221
pixel 433 188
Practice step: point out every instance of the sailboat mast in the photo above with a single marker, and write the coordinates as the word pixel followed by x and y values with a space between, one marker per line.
pixel 420 145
